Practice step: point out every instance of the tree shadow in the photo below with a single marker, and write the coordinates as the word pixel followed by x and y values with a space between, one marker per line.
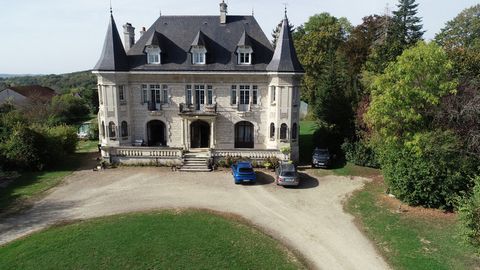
pixel 29 184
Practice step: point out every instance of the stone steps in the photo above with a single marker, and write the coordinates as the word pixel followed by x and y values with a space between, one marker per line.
pixel 195 162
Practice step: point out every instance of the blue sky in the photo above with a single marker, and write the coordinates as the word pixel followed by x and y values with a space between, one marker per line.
pixel 59 36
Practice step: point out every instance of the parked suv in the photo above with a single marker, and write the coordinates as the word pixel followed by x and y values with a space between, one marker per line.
pixel 321 158
pixel 286 175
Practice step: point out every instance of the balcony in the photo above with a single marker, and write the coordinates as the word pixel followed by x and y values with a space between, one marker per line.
pixel 207 109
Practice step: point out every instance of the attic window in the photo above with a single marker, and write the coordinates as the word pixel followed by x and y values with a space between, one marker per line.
pixel 199 55
pixel 244 55
pixel 153 55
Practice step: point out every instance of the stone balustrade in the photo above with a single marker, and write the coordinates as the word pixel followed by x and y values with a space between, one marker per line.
pixel 252 154
pixel 147 152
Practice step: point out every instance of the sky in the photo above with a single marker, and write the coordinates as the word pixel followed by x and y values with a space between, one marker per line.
pixel 62 36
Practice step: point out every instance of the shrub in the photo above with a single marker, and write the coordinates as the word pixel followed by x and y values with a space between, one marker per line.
pixel 469 215
pixel 25 149
pixel 94 130
pixel 68 109
pixel 65 136
pixel 428 170
pixel 360 153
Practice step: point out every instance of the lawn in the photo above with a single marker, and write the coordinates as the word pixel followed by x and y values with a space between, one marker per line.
pixel 161 240
pixel 306 143
pixel 32 184
pixel 410 240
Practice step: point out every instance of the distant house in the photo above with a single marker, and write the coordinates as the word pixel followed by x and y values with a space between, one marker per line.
pixel 23 95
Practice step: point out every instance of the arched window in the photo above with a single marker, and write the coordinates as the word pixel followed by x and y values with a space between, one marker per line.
pixel 112 130
pixel 272 131
pixel 294 131
pixel 283 131
pixel 124 129
pixel 102 130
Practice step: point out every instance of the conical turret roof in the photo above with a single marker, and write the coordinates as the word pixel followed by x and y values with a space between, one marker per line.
pixel 113 56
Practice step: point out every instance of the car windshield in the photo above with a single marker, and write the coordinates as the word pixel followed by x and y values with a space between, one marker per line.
pixel 321 152
pixel 289 174
pixel 245 170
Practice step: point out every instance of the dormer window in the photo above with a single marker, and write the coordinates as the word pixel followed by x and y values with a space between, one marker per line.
pixel 244 55
pixel 153 55
pixel 199 55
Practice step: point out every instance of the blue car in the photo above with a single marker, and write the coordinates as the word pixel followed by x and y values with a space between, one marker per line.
pixel 243 173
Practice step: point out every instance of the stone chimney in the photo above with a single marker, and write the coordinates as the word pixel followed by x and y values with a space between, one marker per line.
pixel 223 12
pixel 143 31
pixel 128 36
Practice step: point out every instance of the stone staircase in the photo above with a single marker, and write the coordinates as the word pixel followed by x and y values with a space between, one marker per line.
pixel 195 162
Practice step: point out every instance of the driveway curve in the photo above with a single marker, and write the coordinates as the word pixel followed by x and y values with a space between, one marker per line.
pixel 309 219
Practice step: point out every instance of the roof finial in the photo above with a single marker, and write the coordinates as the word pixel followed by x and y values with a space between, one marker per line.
pixel 111 9
pixel 285 4
pixel 253 11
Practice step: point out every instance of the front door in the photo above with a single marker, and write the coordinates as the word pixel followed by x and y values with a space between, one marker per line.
pixel 156 133
pixel 199 97
pixel 200 134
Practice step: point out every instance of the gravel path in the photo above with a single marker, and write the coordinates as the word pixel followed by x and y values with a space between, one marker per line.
pixel 309 218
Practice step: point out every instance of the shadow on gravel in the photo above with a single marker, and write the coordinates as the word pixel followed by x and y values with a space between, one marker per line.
pixel 264 179
pixel 306 181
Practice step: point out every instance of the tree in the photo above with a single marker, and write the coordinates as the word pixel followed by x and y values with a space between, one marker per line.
pixel 326 82
pixel 401 31
pixel 407 26
pixel 68 109
pixel 404 95
pixel 461 39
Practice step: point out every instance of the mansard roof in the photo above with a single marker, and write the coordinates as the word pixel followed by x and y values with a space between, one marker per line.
pixel 221 41
pixel 113 57
pixel 285 57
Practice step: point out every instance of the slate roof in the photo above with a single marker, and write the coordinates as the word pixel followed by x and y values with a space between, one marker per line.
pixel 285 57
pixel 34 91
pixel 175 35
pixel 113 57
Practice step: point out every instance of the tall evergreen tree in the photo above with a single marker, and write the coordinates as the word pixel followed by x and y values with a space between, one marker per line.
pixel 407 25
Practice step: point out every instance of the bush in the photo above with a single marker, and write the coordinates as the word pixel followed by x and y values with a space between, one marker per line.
pixel 25 149
pixel 360 153
pixel 429 170
pixel 68 109
pixel 65 136
pixel 469 216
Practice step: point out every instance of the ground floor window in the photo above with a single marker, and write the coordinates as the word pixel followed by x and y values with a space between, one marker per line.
pixel 124 129
pixel 272 131
pixel 283 131
pixel 244 135
pixel 112 130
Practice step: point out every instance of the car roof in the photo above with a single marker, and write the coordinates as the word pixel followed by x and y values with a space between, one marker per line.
pixel 244 164
pixel 287 167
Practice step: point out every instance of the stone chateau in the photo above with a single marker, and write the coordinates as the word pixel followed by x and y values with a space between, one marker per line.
pixel 198 86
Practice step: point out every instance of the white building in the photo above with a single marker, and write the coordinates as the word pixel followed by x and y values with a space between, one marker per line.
pixel 204 84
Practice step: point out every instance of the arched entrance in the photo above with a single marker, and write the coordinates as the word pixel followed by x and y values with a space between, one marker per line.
pixel 200 134
pixel 244 135
pixel 156 133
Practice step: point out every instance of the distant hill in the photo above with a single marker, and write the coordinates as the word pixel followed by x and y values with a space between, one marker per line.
pixel 60 83
pixel 4 76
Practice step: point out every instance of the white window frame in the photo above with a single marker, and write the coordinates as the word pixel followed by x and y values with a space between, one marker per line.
pixel 188 95
pixel 144 93
pixel 122 94
pixel 244 55
pixel 165 95
pixel 235 94
pixel 273 94
pixel 199 55
pixel 153 55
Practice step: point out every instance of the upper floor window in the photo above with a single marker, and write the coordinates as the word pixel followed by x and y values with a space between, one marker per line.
pixel 188 95
pixel 209 95
pixel 153 54
pixel 121 93
pixel 273 94
pixel 199 55
pixel 244 55
pixel 233 99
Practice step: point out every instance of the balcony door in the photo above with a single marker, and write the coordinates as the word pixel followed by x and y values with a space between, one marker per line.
pixel 199 97
pixel 244 101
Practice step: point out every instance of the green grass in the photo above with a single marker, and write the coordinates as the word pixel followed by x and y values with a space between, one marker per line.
pixel 349 169
pixel 410 241
pixel 306 143
pixel 162 240
pixel 30 185
pixel 87 146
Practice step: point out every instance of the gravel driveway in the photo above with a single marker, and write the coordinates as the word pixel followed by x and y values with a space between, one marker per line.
pixel 309 219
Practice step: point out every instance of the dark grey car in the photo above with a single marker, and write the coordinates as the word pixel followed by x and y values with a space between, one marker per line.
pixel 286 175
pixel 321 158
